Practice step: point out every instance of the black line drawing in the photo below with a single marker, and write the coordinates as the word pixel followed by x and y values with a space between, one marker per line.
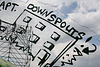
pixel 61 54
pixel 73 58
pixel 44 58
pixel 40 26
pixel 35 40
pixel 55 36
pixel 49 45
pixel 74 30
pixel 27 19
pixel 79 53
pixel 15 46
pixel 86 50
pixel 18 39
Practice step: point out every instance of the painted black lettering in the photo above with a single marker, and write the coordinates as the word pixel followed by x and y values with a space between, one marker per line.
pixel 80 35
pixel 67 28
pixel 73 31
pixel 14 5
pixel 41 11
pixel 8 5
pixel 63 24
pixel 2 4
pixel 52 17
pixel 58 20
pixel 46 13
pixel 32 7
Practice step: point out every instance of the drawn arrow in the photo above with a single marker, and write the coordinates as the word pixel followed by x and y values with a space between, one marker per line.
pixel 87 51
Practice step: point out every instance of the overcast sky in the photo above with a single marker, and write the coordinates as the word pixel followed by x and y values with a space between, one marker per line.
pixel 83 15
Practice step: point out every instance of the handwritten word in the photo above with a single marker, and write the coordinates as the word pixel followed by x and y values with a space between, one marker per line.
pixel 8 5
pixel 56 21
pixel 37 9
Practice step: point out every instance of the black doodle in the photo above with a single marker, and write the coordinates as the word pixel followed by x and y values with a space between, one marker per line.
pixel 70 62
pixel 45 57
pixel 88 39
pixel 13 34
pixel 86 50
pixel 79 53
pixel 21 30
pixel 27 19
pixel 35 40
pixel 40 26
pixel 60 54
pixel 49 45
pixel 55 36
